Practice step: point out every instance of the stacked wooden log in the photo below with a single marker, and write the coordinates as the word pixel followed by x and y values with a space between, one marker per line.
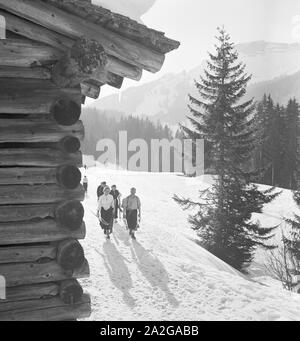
pixel 58 24
pixel 41 216
pixel 56 53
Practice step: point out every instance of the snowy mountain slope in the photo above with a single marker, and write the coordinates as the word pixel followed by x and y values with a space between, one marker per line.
pixel 165 275
pixel 282 88
pixel 266 60
pixel 167 98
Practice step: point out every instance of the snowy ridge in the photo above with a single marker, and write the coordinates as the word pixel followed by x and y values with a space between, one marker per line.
pixel 167 98
pixel 165 275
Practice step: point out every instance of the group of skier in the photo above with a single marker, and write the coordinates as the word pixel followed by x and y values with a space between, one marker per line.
pixel 109 207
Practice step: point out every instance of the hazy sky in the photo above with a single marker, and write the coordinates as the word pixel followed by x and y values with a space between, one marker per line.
pixel 194 22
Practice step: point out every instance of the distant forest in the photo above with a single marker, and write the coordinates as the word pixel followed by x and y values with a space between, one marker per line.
pixel 107 125
pixel 278 151
pixel 275 155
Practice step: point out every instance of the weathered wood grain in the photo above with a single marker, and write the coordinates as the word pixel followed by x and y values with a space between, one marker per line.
pixel 31 96
pixel 24 72
pixel 90 90
pixel 27 254
pixel 26 54
pixel 28 176
pixel 68 144
pixel 32 292
pixel 36 194
pixel 22 27
pixel 76 27
pixel 33 273
pixel 51 309
pixel 68 213
pixel 45 157
pixel 67 290
pixel 37 232
pixel 124 26
pixel 37 130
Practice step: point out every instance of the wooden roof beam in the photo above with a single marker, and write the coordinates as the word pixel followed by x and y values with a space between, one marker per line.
pixel 30 30
pixel 90 90
pixel 76 27
pixel 118 23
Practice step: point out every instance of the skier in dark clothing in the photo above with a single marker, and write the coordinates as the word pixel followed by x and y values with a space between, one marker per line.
pixel 132 212
pixel 116 195
pixel 100 189
pixel 85 184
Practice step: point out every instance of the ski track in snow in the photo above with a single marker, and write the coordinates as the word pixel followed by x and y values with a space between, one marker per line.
pixel 165 275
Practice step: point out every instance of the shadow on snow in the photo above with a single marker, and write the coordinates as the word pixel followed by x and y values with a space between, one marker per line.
pixel 153 270
pixel 118 271
pixel 149 265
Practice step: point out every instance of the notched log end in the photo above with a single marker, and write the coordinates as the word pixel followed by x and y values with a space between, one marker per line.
pixel 70 255
pixel 70 292
pixel 81 62
pixel 70 214
pixel 68 176
pixel 70 144
pixel 65 111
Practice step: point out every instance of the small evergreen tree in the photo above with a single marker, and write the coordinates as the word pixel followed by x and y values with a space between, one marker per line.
pixel 292 241
pixel 223 220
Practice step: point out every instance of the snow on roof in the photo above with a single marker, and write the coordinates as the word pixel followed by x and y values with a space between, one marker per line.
pixel 119 23
pixel 130 8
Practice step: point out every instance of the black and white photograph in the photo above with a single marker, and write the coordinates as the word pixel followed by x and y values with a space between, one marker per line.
pixel 149 163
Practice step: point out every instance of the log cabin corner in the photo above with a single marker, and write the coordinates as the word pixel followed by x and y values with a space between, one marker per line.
pixel 54 55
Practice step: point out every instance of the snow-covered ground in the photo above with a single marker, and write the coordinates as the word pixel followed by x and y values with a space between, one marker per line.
pixel 165 275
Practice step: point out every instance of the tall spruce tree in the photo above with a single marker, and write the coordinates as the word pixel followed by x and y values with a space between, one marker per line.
pixel 223 217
